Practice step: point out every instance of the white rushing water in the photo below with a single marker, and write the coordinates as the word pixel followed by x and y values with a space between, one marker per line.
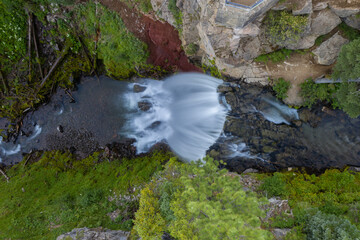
pixel 278 113
pixel 185 112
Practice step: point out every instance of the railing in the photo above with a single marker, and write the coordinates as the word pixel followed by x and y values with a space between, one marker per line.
pixel 227 2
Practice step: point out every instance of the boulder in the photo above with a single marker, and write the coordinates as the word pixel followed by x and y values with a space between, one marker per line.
pixel 161 9
pixel 328 51
pixel 324 22
pixel 320 6
pixel 280 233
pixel 94 234
pixel 138 88
pixel 353 21
pixel 344 12
pixel 144 105
pixel 304 7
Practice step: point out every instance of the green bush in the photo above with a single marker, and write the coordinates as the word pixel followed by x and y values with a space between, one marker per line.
pixel 274 185
pixel 275 57
pixel 312 93
pixel 348 63
pixel 283 28
pixel 281 87
pixel 191 49
pixel 205 203
pixel 349 32
pixel 119 49
pixel 348 96
pixel 323 226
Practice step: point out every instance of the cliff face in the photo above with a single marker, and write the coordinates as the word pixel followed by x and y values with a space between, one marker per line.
pixel 234 36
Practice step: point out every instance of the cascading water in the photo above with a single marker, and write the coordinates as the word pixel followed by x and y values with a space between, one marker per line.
pixel 185 112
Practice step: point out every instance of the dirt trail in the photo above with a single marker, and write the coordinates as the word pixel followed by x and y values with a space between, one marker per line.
pixel 162 39
pixel 296 69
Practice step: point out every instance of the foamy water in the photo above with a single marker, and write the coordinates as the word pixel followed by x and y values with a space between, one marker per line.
pixel 186 113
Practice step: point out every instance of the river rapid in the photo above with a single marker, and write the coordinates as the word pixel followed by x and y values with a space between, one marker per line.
pixel 195 114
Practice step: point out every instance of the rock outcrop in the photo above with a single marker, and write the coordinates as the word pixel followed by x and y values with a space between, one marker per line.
pixel 94 234
pixel 328 51
pixel 234 37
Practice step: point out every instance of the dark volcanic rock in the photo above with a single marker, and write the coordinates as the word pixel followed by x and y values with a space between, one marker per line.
pixel 137 88
pixel 144 105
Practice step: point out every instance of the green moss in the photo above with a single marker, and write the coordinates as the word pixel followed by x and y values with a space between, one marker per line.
pixel 122 53
pixel 175 11
pixel 59 193
pixel 349 32
pixel 191 49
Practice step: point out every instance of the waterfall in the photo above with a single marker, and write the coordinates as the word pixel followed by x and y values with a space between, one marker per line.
pixel 185 112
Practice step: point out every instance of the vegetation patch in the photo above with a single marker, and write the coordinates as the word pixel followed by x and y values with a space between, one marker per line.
pixel 59 193
pixel 281 87
pixel 324 206
pixel 275 57
pixel 122 53
pixel 349 32
pixel 198 201
pixel 175 11
pixel 284 28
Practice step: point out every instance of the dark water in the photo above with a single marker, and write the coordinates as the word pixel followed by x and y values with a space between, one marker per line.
pixel 250 136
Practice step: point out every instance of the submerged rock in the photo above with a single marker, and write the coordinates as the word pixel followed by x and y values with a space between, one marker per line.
pixel 144 105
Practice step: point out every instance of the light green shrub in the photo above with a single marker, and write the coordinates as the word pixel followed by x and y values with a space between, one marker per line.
pixel 281 87
pixel 323 226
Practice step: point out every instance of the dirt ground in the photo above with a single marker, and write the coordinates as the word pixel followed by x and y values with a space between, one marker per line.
pixel 296 69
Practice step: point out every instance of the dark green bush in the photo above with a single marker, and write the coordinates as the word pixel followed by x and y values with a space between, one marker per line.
pixel 274 185
pixel 349 32
pixel 313 93
pixel 275 57
pixel 281 87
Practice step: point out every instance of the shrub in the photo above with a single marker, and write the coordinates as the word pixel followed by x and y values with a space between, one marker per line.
pixel 191 49
pixel 206 203
pixel 274 185
pixel 348 63
pixel 349 32
pixel 348 96
pixel 283 28
pixel 313 93
pixel 275 57
pixel 281 87
pixel 323 226
pixel 119 49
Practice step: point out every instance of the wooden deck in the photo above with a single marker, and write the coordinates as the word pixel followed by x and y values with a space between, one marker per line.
pixel 248 3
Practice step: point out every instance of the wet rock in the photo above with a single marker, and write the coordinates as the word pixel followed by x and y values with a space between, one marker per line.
pixel 224 88
pixel 328 51
pixel 60 129
pixel 307 116
pixel 297 123
pixel 144 105
pixel 251 170
pixel 138 88
pixel 123 149
pixel 94 234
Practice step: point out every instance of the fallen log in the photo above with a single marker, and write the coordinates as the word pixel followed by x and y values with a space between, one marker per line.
pixel 63 53
pixel 37 52
pixel 4 174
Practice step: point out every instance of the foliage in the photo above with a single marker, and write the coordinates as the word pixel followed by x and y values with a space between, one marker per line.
pixel 323 226
pixel 348 63
pixel 275 57
pixel 349 32
pixel 313 93
pixel 177 14
pixel 212 69
pixel 59 193
pixel 191 49
pixel 274 186
pixel 205 203
pixel 12 33
pixel 283 27
pixel 120 50
pixel 348 96
pixel 281 87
